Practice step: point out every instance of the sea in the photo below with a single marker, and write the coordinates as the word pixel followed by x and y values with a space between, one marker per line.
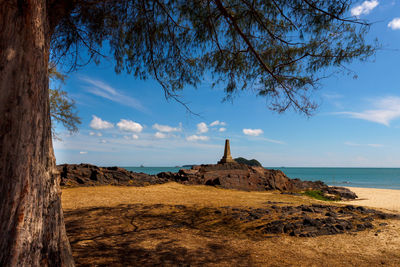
pixel 385 178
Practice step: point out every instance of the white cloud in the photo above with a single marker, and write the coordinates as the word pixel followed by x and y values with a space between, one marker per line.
pixel 83 152
pixel 99 124
pixel 375 145
pixel 222 129
pixel 167 128
pixel 214 123
pixel 129 126
pixel 394 24
pixel 160 135
pixel 104 90
pixel 365 8
pixel 103 141
pixel 387 109
pixel 94 133
pixel 217 122
pixel 351 144
pixel 130 137
pixel 253 132
pixel 356 144
pixel 202 128
pixel 197 138
pixel 273 141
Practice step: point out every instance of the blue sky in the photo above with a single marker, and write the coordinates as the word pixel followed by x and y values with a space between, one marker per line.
pixel 128 122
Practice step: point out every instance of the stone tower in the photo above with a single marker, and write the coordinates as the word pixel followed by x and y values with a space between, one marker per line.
pixel 227 158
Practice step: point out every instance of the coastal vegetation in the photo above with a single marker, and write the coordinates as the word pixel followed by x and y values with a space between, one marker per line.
pixel 251 162
pixel 317 194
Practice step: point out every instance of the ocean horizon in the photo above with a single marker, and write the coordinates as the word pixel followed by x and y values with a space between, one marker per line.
pixel 369 177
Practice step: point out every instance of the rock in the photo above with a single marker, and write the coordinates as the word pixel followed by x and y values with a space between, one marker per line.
pixel 274 227
pixel 341 191
pixel 307 208
pixel 350 207
pixel 331 214
pixel 90 175
pixel 360 227
pixel 236 176
pixel 250 178
pixel 228 175
pixel 368 225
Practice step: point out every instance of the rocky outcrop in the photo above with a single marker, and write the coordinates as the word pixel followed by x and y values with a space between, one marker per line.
pixel 329 191
pixel 233 176
pixel 227 175
pixel 305 220
pixel 73 175
pixel 250 178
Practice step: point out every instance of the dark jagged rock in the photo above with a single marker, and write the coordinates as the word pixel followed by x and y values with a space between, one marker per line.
pixel 233 176
pixel 341 191
pixel 73 175
pixel 303 221
pixel 227 175
pixel 331 192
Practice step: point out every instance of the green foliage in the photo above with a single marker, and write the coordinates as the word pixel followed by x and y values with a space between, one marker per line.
pixel 277 48
pixel 54 74
pixel 317 194
pixel 252 162
pixel 62 108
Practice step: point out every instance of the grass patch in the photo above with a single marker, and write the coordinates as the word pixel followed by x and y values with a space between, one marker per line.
pixel 317 194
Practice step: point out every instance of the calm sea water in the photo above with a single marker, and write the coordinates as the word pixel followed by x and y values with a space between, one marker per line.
pixel 359 177
pixel 154 170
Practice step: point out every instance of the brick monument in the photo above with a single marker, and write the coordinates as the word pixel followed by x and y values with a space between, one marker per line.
pixel 227 158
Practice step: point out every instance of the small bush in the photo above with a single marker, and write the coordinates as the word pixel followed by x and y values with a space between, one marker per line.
pixel 317 194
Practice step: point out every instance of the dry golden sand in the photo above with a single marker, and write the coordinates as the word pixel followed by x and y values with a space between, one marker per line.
pixel 377 198
pixel 107 227
pixel 169 193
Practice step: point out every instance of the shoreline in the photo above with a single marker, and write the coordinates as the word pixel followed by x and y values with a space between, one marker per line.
pixel 350 187
pixel 388 199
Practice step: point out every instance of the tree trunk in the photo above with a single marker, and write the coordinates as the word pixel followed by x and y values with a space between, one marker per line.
pixel 32 231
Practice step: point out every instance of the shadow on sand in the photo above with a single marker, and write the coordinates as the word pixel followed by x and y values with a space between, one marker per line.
pixel 152 235
pixel 178 235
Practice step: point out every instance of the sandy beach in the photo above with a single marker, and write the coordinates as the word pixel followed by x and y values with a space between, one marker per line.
pixel 376 198
pixel 173 224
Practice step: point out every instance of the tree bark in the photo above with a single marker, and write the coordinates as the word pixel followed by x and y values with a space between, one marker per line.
pixel 32 231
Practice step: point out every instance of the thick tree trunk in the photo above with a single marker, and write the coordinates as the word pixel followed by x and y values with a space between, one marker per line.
pixel 32 231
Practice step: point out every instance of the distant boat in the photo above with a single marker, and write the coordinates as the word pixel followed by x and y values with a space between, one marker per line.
pixel 141 166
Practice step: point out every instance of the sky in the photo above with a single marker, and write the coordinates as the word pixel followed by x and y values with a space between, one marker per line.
pixel 128 122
